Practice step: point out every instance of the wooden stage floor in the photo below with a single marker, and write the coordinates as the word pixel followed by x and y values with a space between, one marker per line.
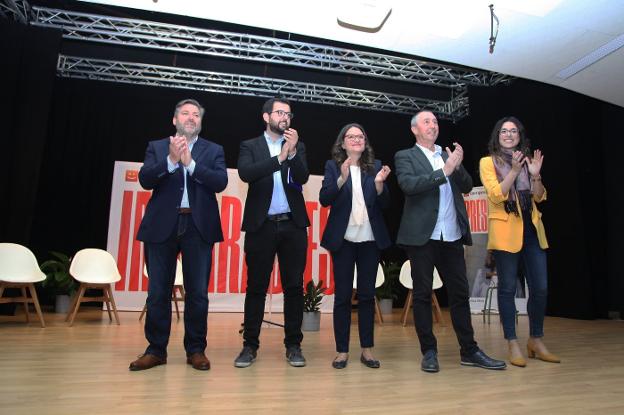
pixel 84 370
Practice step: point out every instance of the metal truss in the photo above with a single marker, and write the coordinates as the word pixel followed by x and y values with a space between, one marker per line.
pixel 147 34
pixel 172 77
pixel 18 10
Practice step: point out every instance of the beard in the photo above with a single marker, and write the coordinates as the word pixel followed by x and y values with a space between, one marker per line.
pixel 188 130
pixel 276 128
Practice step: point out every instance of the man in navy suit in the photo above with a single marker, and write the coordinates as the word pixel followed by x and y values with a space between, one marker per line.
pixel 184 172
pixel 275 222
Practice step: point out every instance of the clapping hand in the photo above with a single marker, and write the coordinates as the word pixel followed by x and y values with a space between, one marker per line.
pixel 176 148
pixel 535 164
pixel 382 174
pixel 517 160
pixel 292 138
pixel 454 159
pixel 345 169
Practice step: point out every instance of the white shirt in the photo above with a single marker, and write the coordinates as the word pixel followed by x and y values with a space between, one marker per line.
pixel 446 228
pixel 358 232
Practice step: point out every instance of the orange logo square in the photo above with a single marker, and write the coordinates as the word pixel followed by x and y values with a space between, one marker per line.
pixel 132 175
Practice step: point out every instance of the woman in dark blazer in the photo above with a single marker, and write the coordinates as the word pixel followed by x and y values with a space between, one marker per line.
pixel 354 186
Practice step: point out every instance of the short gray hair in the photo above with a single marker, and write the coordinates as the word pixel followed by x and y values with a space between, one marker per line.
pixel 414 119
pixel 189 101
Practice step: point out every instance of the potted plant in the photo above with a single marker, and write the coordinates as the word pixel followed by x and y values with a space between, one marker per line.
pixel 312 298
pixel 386 293
pixel 59 282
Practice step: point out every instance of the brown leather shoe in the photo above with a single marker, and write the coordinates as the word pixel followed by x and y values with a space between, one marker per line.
pixel 147 361
pixel 199 361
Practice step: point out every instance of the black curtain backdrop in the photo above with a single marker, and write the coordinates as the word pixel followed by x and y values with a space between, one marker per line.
pixel 27 75
pixel 64 136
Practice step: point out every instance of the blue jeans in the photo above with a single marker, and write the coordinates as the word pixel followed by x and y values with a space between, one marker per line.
pixel 161 266
pixel 533 259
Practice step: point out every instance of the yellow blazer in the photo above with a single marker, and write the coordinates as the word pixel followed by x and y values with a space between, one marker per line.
pixel 505 229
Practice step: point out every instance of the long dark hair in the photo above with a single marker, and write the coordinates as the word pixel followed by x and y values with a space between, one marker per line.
pixel 367 160
pixel 500 160
pixel 494 145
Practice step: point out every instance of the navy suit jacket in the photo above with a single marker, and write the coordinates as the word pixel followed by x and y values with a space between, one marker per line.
pixel 256 167
pixel 340 201
pixel 209 177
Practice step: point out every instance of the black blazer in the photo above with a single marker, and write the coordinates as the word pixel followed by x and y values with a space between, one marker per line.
pixel 209 177
pixel 256 167
pixel 421 186
pixel 340 201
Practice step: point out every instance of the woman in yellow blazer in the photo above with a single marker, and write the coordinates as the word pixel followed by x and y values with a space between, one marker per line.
pixel 512 181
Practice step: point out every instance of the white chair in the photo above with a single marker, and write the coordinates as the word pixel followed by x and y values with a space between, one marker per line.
pixel 94 268
pixel 19 269
pixel 178 285
pixel 405 277
pixel 379 280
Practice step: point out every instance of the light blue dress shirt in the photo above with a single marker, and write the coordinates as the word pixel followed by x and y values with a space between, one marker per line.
pixel 446 227
pixel 279 203
pixel 190 169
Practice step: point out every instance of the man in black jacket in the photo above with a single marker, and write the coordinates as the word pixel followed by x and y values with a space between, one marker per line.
pixel 434 229
pixel 275 222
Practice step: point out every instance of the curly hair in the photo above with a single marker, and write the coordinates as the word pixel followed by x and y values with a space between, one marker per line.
pixel 494 143
pixel 339 155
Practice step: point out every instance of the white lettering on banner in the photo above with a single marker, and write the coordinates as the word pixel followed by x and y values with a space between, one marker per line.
pixel 228 277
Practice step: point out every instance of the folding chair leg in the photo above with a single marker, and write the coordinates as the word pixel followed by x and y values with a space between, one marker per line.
pixel 488 304
pixel 112 301
pixel 143 311
pixel 378 312
pixel 72 313
pixel 182 292
pixel 406 308
pixel 107 302
pixel 175 302
pixel 73 305
pixel 33 294
pixel 25 303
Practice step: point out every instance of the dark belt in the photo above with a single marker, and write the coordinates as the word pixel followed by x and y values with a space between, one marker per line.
pixel 184 211
pixel 280 217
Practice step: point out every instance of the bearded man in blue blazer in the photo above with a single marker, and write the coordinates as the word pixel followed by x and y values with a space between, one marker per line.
pixel 184 172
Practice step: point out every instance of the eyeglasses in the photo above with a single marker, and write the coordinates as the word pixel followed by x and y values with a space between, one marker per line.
pixel 505 131
pixel 354 137
pixel 281 113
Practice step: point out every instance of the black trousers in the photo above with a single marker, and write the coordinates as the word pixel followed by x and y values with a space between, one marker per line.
pixel 366 256
pixel 448 258
pixel 290 243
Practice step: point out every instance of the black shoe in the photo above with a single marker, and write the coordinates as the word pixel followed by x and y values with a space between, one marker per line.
pixel 372 363
pixel 295 357
pixel 482 360
pixel 339 364
pixel 246 357
pixel 430 362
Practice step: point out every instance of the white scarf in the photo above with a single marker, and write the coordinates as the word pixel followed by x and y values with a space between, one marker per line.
pixel 358 206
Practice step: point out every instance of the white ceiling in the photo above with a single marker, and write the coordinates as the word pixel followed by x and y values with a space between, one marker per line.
pixel 536 38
